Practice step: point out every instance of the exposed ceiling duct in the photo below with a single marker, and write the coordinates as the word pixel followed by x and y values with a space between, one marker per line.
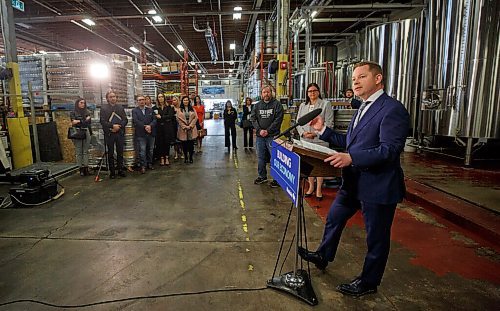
pixel 209 37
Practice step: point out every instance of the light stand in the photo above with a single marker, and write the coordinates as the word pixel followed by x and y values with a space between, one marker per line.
pixel 100 72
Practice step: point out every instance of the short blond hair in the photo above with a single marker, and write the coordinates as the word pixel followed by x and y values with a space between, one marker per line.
pixel 373 67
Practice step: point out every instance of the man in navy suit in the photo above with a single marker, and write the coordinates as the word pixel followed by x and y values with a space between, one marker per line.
pixel 144 122
pixel 372 178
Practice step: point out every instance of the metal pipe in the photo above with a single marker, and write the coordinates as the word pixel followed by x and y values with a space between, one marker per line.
pixel 365 7
pixel 122 27
pixel 67 18
pixel 221 38
pixel 468 151
pixel 251 24
pixel 308 53
pixel 348 19
pixel 33 123
pixel 103 38
pixel 326 34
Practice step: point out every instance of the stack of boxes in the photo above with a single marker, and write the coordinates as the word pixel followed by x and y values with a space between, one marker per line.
pixel 170 68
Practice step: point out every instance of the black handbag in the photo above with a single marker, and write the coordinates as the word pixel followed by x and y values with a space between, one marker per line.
pixel 246 124
pixel 77 133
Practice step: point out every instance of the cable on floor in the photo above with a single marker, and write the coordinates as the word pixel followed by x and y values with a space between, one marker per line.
pixel 104 302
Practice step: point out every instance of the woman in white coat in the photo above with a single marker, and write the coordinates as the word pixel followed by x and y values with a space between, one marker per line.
pixel 314 101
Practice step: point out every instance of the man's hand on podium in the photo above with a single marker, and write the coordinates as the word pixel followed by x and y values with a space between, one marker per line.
pixel 310 135
pixel 339 159
pixel 317 124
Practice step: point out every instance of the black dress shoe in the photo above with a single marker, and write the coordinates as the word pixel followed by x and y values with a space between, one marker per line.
pixel 357 288
pixel 319 198
pixel 306 195
pixel 121 173
pixel 313 257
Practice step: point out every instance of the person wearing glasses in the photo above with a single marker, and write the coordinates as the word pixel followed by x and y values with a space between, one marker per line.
pixel 313 102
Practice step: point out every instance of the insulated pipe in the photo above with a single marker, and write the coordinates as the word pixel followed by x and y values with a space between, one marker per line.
pixel 284 29
pixel 363 7
pixel 308 52
pixel 221 38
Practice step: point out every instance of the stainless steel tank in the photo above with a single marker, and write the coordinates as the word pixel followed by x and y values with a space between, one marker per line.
pixel 318 76
pixel 396 47
pixel 269 36
pixel 260 30
pixel 342 118
pixel 461 69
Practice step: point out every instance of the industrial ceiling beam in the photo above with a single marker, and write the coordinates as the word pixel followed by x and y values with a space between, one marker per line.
pixel 66 18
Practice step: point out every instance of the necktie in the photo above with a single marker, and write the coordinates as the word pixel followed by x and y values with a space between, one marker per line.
pixel 360 112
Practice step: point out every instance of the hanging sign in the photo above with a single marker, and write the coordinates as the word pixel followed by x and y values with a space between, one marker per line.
pixel 18 4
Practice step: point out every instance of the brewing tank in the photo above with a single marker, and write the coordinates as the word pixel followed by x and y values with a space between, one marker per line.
pixel 461 69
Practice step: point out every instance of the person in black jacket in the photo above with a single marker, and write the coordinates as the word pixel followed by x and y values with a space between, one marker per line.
pixel 230 116
pixel 165 123
pixel 144 123
pixel 266 118
pixel 246 124
pixel 349 94
pixel 80 118
pixel 113 120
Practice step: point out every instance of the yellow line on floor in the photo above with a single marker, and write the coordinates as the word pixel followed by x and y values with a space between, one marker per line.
pixel 244 218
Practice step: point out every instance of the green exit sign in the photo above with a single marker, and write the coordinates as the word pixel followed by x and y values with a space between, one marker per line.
pixel 18 4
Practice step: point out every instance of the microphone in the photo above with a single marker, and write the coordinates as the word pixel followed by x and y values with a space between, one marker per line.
pixel 308 117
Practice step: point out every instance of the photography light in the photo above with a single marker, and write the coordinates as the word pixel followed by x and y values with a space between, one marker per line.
pixel 99 71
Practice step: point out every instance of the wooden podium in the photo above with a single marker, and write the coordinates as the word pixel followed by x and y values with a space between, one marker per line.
pixel 298 282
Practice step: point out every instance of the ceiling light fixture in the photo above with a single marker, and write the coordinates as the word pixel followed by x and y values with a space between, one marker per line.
pixel 157 19
pixel 231 70
pixel 152 12
pixel 180 48
pixel 42 52
pixel 232 46
pixel 158 64
pixel 314 13
pixel 198 71
pixel 192 63
pixel 231 62
pixel 203 76
pixel 237 14
pixel 88 21
pixel 134 49
pixel 230 76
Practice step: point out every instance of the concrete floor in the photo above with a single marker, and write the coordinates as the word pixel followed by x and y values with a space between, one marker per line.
pixel 184 229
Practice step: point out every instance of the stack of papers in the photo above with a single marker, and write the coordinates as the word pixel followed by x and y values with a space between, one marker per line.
pixel 315 147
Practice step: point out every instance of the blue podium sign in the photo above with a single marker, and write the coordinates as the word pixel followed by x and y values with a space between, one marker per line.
pixel 285 169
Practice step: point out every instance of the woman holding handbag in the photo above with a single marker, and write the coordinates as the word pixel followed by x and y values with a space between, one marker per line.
pixel 81 121
pixel 246 124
